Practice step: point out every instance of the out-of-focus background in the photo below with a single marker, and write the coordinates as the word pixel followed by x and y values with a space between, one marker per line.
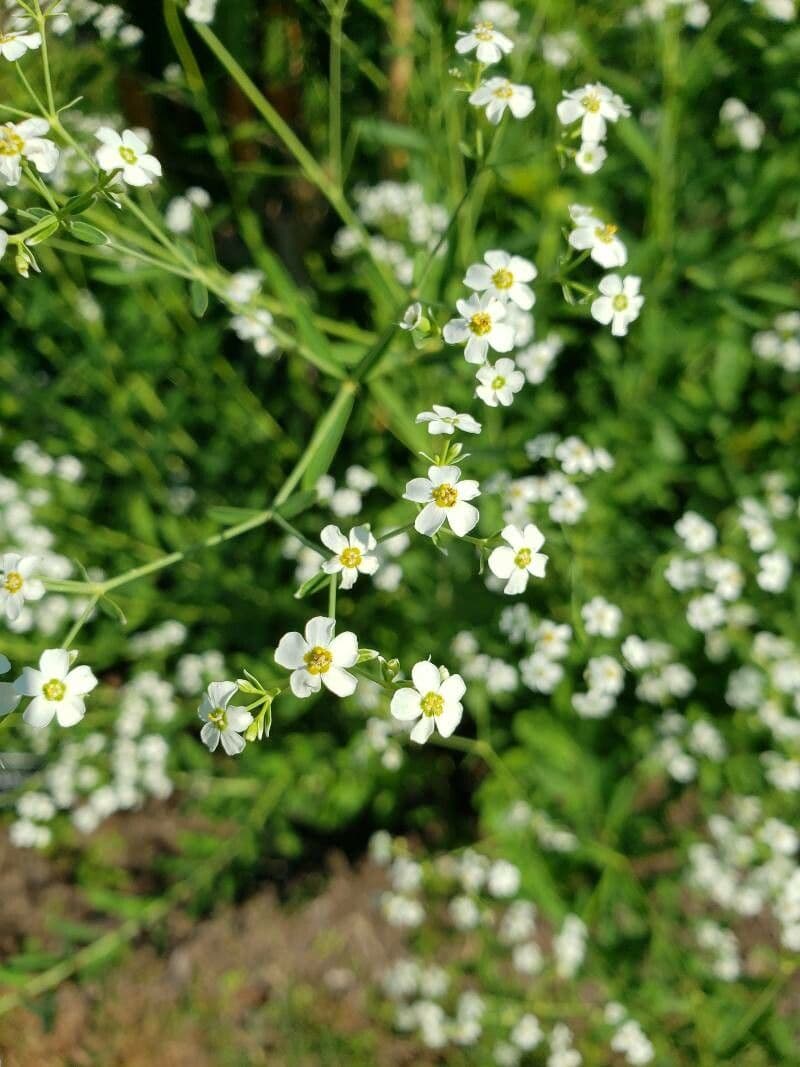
pixel 572 880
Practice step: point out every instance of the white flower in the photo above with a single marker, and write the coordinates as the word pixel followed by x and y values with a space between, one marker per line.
pixel 444 497
pixel 435 700
pixel 540 673
pixel 25 141
pixel 697 533
pixel 445 420
pixel 127 153
pixel 499 383
pixel 351 553
pixel 705 613
pixel 497 94
pixel 480 327
pixel 503 277
pixel 520 558
pixel 9 697
pixel 223 721
pixel 490 45
pixel 620 303
pixel 201 10
pixel 319 658
pixel 606 248
pixel 498 13
pixel 590 157
pixel 256 327
pixel 17 584
pixel 16 40
pixel 412 317
pixel 601 617
pixel 503 880
pixel 56 690
pixel 775 569
pixel 595 105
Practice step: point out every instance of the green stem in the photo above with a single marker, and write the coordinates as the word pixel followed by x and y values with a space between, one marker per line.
pixel 80 622
pixel 332 596
pixel 335 91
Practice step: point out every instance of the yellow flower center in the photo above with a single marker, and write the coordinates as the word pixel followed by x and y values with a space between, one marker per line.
pixel 498 382
pixel 351 557
pixel 432 704
pixel 504 91
pixel 484 31
pixel 480 323
pixel 11 144
pixel 502 279
pixel 606 233
pixel 620 302
pixel 54 689
pixel 591 102
pixel 219 718
pixel 444 496
pixel 14 582
pixel 318 660
pixel 523 558
pixel 128 155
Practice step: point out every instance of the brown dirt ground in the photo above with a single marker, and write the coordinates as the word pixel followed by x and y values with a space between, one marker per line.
pixel 259 983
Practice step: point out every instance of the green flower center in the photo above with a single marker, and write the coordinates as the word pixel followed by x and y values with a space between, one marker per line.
pixel 523 558
pixel 444 496
pixel 318 660
pixel 13 582
pixel 11 144
pixel 219 718
pixel 54 689
pixel 606 233
pixel 484 31
pixel 351 557
pixel 620 302
pixel 432 704
pixel 502 279
pixel 504 92
pixel 591 102
pixel 128 155
pixel 498 382
pixel 480 323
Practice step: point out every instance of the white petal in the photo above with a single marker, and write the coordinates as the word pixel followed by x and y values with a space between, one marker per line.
pixel 423 730
pixel 478 276
pixel 418 490
pixel 425 677
pixel 304 684
pixel 232 742
pixel 517 582
pixel 333 538
pixel 339 682
pixel 501 562
pixel 290 651
pixel 80 681
pixel 452 688
pixel 462 517
pixel 39 713
pixel 210 736
pixel 54 663
pixel 405 704
pixel 449 719
pixel 70 711
pixel 30 682
pixel 344 649
pixel 238 718
pixel 319 631
pixel 430 520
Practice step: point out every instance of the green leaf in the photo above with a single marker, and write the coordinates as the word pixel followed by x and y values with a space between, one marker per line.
pixel 325 442
pixel 199 297
pixel 89 235
pixel 47 230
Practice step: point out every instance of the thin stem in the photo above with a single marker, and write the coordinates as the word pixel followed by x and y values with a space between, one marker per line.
pixel 394 533
pixel 41 23
pixel 80 622
pixel 335 91
pixel 332 596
